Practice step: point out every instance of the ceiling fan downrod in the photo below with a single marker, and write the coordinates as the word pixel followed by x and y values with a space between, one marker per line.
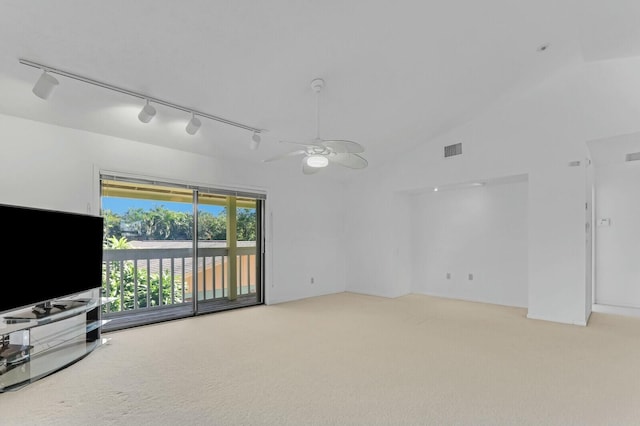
pixel 317 85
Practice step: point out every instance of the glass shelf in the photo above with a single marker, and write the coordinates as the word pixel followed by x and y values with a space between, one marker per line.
pixel 8 326
pixel 29 318
pixel 14 354
pixel 95 325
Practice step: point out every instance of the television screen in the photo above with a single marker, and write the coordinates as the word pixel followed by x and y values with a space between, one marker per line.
pixel 47 255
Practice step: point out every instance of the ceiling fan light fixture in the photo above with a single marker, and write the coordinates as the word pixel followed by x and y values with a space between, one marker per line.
pixel 319 152
pixel 317 161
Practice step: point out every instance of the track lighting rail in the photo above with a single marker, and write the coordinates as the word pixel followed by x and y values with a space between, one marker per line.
pixel 193 112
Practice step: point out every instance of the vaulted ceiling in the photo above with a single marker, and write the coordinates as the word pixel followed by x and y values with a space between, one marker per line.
pixel 397 73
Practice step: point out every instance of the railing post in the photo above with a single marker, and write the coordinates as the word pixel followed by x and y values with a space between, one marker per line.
pixel 232 245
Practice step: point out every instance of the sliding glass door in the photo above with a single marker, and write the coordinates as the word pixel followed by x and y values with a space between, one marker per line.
pixel 228 267
pixel 175 250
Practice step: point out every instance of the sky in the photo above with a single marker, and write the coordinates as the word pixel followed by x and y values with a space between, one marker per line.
pixel 121 205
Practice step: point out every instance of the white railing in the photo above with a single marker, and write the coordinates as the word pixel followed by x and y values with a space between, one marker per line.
pixel 145 278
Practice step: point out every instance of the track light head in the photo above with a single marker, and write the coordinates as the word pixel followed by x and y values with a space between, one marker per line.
pixel 45 85
pixel 255 141
pixel 147 113
pixel 193 125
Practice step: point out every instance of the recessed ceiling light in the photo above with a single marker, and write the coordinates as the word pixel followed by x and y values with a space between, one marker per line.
pixel 543 47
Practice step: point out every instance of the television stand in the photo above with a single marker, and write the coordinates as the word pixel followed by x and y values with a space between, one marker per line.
pixel 38 341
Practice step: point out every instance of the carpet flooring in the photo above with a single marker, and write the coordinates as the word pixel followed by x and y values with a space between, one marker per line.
pixel 349 359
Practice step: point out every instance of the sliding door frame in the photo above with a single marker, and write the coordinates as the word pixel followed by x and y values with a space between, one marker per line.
pixel 198 307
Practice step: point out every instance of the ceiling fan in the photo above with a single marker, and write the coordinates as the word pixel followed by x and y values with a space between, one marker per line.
pixel 319 153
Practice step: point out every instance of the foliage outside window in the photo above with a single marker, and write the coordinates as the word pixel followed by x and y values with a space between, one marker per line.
pixel 161 223
pixel 135 288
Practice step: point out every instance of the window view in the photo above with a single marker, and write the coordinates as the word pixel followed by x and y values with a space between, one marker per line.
pixel 150 247
pixel 227 248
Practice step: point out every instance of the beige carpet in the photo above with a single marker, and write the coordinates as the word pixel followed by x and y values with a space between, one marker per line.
pixel 349 359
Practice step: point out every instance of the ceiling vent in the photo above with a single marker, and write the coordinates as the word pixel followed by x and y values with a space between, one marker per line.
pixel 453 150
pixel 635 156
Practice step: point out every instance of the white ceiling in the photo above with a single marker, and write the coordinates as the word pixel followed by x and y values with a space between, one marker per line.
pixel 397 73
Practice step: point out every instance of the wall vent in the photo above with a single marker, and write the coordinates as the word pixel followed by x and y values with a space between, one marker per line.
pixel 635 156
pixel 452 150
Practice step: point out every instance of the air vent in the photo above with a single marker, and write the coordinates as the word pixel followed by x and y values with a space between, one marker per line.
pixel 635 156
pixel 452 150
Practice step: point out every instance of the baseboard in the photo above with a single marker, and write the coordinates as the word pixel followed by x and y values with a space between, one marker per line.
pixel 377 294
pixel 616 310
pixel 468 299
pixel 538 317
pixel 277 301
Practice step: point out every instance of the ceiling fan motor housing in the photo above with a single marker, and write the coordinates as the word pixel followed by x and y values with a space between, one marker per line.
pixel 317 85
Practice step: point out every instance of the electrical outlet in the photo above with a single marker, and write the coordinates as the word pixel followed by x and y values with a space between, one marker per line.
pixel 312 281
pixel 470 277
pixel 448 275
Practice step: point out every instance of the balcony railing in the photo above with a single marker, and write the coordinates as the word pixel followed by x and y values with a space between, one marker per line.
pixel 148 278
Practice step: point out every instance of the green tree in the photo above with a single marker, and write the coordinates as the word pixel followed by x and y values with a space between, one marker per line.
pixel 211 228
pixel 111 224
pixel 246 224
pixel 161 223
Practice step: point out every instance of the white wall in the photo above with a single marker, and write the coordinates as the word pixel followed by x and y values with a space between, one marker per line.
pixel 377 238
pixel 472 230
pixel 589 236
pixel 54 167
pixel 618 244
pixel 534 134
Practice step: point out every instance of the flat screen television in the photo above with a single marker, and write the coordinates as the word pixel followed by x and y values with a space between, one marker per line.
pixel 47 255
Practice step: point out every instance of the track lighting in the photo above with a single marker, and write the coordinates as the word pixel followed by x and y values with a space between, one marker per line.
pixel 147 113
pixel 193 125
pixel 317 161
pixel 255 141
pixel 45 85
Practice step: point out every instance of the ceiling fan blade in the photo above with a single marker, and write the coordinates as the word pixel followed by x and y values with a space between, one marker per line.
pixel 288 154
pixel 342 146
pixel 309 144
pixel 352 161
pixel 307 170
